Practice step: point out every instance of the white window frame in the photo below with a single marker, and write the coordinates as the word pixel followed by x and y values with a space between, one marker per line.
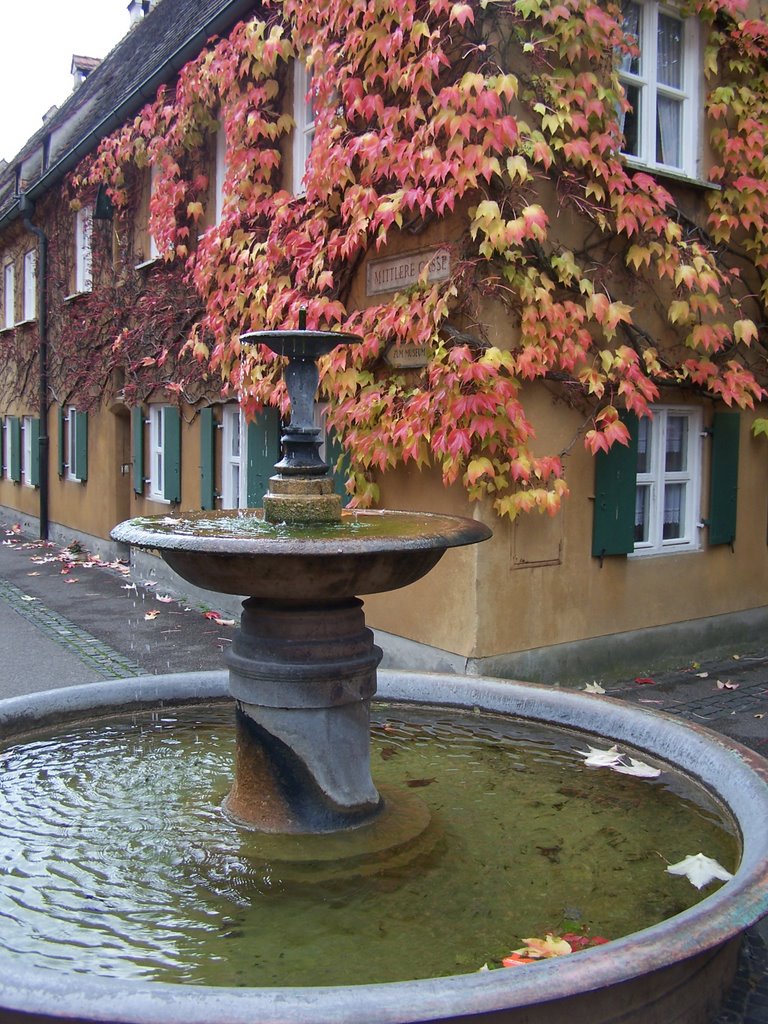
pixel 26 451
pixel 644 79
pixel 656 476
pixel 6 449
pixel 29 300
pixel 9 295
pixel 220 173
pixel 234 457
pixel 157 453
pixel 84 250
pixel 154 174
pixel 304 120
pixel 70 447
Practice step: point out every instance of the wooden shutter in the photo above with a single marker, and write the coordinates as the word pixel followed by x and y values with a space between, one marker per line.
pixel 80 454
pixel 207 458
pixel 724 478
pixel 34 451
pixel 263 451
pixel 334 450
pixel 171 453
pixel 137 439
pixel 613 525
pixel 13 423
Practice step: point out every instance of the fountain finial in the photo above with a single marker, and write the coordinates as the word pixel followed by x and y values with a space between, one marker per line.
pixel 301 492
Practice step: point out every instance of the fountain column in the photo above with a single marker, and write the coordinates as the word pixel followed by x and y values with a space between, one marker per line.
pixel 302 674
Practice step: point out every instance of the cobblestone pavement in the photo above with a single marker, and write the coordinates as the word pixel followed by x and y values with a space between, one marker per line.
pixel 114 627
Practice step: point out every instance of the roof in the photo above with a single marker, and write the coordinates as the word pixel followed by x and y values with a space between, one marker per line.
pixel 153 51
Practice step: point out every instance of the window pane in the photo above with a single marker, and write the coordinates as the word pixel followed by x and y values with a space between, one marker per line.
pixel 669 69
pixel 669 119
pixel 234 448
pixel 642 503
pixel 631 14
pixel 644 445
pixel 629 121
pixel 674 511
pixel 676 460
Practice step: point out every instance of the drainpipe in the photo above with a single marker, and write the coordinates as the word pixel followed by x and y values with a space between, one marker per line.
pixel 27 207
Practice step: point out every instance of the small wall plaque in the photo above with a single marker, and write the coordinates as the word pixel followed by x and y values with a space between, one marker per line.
pixel 407 356
pixel 395 272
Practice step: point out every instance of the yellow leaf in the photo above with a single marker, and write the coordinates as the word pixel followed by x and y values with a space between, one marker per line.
pixel 745 331
pixel 679 311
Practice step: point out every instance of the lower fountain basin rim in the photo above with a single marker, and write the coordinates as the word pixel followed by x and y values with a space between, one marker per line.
pixel 733 773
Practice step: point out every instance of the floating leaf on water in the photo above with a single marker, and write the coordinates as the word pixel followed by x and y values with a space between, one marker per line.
pixel 700 870
pixel 594 757
pixel 148 616
pixel 638 768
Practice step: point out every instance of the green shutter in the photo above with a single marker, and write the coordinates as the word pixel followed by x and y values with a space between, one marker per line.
pixel 207 462
pixel 34 465
pixel 14 425
pixel 61 429
pixel 724 478
pixel 334 450
pixel 80 453
pixel 137 436
pixel 171 453
pixel 263 451
pixel 613 525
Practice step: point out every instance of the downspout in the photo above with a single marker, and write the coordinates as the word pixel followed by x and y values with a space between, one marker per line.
pixel 27 207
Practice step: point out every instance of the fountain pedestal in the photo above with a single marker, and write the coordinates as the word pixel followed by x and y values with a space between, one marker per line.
pixel 303 678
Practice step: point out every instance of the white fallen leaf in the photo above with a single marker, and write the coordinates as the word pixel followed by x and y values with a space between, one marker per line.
pixel 638 768
pixel 702 675
pixel 149 616
pixel 700 870
pixel 594 757
pixel 594 687
pixel 727 685
pixel 165 598
pixel 128 586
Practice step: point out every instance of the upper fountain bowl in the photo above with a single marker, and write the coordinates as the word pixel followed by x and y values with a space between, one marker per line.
pixel 237 552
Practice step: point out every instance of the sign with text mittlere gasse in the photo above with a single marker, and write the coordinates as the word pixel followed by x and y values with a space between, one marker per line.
pixel 395 272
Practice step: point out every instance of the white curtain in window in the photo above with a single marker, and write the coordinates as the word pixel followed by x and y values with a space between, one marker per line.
pixel 674 495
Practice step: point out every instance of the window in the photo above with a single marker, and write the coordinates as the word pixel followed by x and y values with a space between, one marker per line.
pixel 73 444
pixel 304 117
pixel 29 309
pixel 83 250
pixel 233 458
pixel 660 82
pixel 12 448
pixel 249 452
pixel 9 295
pixel 648 494
pixel 219 173
pixel 154 174
pixel 164 453
pixel 30 453
pixel 667 495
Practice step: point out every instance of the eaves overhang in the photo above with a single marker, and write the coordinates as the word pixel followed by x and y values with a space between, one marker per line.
pixel 140 94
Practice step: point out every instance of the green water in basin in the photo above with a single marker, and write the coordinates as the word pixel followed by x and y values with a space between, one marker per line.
pixel 116 860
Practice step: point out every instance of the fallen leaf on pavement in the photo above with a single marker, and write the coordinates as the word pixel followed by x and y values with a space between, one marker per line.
pixel 593 688
pixel 165 598
pixel 72 579
pixel 152 614
pixel 644 680
pixel 727 685
pixel 702 675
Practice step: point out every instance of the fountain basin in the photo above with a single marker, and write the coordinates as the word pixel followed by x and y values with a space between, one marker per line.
pixel 368 552
pixel 675 971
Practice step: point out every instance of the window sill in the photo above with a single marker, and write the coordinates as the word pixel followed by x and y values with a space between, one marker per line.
pixel 8 330
pixel 27 322
pixel 75 295
pixel 146 264
pixel 659 171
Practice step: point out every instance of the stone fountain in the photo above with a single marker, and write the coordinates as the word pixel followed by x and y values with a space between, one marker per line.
pixel 302 673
